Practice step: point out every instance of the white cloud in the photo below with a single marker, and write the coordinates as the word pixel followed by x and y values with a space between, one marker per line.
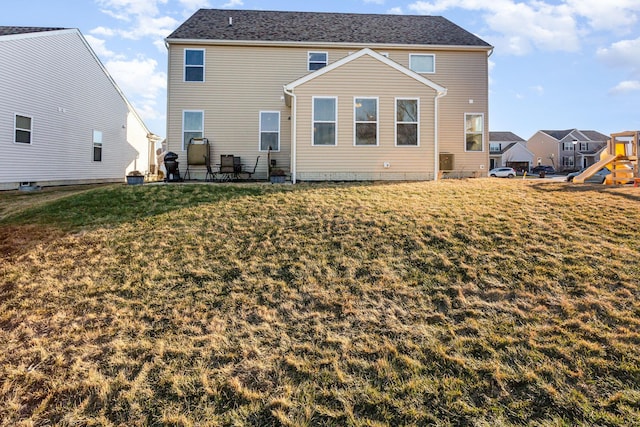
pixel 374 1
pixel 395 11
pixel 233 3
pixel 519 27
pixel 626 87
pixel 617 16
pixel 102 31
pixel 99 47
pixel 127 8
pixel 195 4
pixel 538 90
pixel 152 27
pixel 141 81
pixel 624 53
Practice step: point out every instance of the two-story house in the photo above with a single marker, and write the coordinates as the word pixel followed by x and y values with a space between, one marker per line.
pixel 567 150
pixel 508 149
pixel 63 119
pixel 332 96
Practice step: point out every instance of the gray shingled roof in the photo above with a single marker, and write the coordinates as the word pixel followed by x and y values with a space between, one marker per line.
pixel 592 135
pixel 504 137
pixel 10 31
pixel 254 25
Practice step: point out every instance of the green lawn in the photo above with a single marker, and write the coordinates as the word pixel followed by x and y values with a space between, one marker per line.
pixel 479 302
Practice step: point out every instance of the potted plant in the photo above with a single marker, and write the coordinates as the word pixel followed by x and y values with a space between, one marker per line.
pixel 276 176
pixel 135 178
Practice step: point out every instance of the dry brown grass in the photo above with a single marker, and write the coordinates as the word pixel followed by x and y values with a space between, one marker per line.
pixel 476 302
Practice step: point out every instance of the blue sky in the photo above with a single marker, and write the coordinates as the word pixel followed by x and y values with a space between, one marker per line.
pixel 556 64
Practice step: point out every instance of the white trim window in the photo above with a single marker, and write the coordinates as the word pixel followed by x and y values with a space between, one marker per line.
pixel 192 126
pixel 317 60
pixel 474 131
pixel 97 146
pixel 567 146
pixel 269 130
pixel 194 65
pixel 365 113
pixel 325 120
pixel 23 126
pixel 422 63
pixel 407 122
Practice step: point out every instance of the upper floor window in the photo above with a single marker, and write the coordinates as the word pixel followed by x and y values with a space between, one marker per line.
pixel 495 147
pixel 567 146
pixel 97 146
pixel 192 126
pixel 317 60
pixel 421 63
pixel 325 121
pixel 269 130
pixel 407 122
pixel 366 121
pixel 194 65
pixel 23 129
pixel 584 146
pixel 474 131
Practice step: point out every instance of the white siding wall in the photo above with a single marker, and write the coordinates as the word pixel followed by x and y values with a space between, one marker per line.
pixel 54 78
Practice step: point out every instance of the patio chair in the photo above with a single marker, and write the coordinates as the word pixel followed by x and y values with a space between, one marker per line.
pixel 226 166
pixel 251 172
pixel 197 154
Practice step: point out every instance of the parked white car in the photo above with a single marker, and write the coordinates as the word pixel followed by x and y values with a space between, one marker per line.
pixel 502 173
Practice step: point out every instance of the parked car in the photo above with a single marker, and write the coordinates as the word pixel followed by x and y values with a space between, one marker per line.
pixel 597 178
pixel 543 168
pixel 502 172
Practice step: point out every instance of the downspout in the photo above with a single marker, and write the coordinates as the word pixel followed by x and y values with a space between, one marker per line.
pixel 436 147
pixel 294 132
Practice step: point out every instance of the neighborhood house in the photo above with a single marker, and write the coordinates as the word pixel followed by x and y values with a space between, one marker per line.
pixel 63 120
pixel 567 150
pixel 330 96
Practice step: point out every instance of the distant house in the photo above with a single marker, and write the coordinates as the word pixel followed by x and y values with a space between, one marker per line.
pixel 567 150
pixel 63 120
pixel 335 96
pixel 508 149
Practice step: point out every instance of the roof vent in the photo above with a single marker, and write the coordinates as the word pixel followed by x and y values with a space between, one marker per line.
pixel 230 21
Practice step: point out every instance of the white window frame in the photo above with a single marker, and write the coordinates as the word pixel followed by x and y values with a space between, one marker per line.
pixel 567 144
pixel 356 122
pixel 314 121
pixel 413 55
pixel 261 131
pixel 96 144
pixel 309 62
pixel 184 65
pixel 184 143
pixel 583 146
pixel 395 112
pixel 16 128
pixel 467 133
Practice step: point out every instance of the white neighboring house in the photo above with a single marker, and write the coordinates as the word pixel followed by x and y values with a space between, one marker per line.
pixel 508 149
pixel 63 119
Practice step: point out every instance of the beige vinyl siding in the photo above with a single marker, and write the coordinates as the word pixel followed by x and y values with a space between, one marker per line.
pixel 543 147
pixel 242 80
pixel 345 160
pixel 465 75
pixel 54 78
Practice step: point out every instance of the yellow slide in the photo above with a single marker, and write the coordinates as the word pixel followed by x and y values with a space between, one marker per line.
pixel 591 170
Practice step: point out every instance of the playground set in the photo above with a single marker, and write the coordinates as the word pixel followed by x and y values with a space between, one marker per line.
pixel 620 157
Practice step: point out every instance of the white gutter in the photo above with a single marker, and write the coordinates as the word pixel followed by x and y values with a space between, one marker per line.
pixel 311 44
pixel 294 132
pixel 436 148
